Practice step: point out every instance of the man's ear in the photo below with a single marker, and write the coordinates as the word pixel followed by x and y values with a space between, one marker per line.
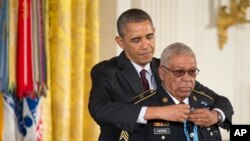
pixel 119 40
pixel 161 73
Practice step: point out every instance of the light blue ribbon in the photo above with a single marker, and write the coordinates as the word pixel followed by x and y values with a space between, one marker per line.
pixel 193 135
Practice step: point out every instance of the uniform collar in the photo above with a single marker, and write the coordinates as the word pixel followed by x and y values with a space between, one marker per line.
pixel 186 101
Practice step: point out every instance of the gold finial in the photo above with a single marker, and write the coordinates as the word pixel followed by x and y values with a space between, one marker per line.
pixel 225 19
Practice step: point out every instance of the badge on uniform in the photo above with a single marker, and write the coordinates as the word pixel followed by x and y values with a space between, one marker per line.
pixel 160 127
pixel 160 124
pixel 162 130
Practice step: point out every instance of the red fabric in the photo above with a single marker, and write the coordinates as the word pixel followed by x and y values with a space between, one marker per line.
pixel 24 50
pixel 144 80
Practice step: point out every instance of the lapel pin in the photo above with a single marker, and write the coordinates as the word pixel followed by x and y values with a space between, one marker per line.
pixel 195 99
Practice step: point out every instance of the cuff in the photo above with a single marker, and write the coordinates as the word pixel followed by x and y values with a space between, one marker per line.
pixel 140 118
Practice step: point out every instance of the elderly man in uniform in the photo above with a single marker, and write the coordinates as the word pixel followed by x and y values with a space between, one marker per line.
pixel 189 115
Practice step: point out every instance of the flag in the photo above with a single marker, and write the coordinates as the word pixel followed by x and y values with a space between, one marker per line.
pixel 9 118
pixel 4 73
pixel 20 91
pixel 31 76
pixel 24 69
pixel 31 117
pixel 7 104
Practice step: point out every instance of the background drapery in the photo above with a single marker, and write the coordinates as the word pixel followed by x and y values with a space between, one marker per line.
pixel 72 45
pixel 72 42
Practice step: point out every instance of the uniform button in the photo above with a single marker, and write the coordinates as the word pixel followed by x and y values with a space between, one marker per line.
pixel 119 125
pixel 164 100
pixel 163 137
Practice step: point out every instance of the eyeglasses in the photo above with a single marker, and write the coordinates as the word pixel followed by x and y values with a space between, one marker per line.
pixel 179 73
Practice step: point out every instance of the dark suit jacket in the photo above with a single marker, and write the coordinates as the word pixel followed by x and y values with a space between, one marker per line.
pixel 114 83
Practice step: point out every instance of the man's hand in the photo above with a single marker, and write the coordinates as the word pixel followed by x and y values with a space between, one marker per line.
pixel 203 117
pixel 176 113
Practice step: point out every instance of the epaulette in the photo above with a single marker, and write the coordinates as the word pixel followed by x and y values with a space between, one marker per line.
pixel 142 96
pixel 203 93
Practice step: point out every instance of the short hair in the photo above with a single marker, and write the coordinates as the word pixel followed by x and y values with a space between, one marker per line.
pixel 131 15
pixel 175 49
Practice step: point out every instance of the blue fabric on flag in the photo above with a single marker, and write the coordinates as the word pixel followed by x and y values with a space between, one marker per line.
pixel 4 72
pixel 32 123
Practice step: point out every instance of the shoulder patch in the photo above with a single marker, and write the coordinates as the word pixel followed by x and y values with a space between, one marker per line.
pixel 203 93
pixel 142 96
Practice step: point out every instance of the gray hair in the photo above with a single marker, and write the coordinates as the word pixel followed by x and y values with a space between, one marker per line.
pixel 175 49
pixel 131 15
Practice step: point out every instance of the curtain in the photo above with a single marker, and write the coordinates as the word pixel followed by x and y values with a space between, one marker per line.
pixel 72 48
pixel 71 39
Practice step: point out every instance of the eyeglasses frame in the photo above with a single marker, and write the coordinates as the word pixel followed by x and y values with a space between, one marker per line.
pixel 189 72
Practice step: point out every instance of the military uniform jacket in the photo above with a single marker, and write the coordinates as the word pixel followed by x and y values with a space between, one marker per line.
pixel 160 130
pixel 114 83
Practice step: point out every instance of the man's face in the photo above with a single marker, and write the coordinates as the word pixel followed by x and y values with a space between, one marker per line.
pixel 179 86
pixel 138 42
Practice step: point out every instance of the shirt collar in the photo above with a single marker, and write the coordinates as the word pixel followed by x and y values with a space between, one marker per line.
pixel 139 68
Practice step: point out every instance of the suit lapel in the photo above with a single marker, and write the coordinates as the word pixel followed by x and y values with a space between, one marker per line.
pixel 129 73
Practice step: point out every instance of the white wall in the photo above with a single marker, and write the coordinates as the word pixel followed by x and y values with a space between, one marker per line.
pixel 225 71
